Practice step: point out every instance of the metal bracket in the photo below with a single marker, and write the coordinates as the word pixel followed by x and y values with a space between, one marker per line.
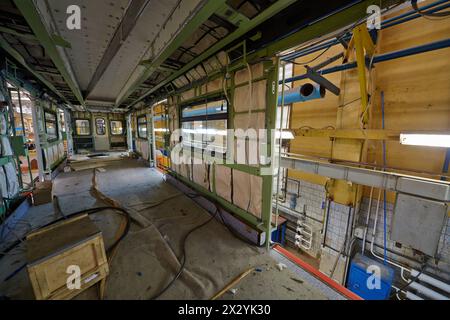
pixel 316 77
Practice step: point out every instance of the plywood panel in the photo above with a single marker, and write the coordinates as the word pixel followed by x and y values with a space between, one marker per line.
pixel 417 97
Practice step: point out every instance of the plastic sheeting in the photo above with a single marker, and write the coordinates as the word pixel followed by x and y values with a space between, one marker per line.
pixel 11 180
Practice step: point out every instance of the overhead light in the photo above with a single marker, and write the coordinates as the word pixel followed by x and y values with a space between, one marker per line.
pixel 161 101
pixel 428 140
pixel 285 134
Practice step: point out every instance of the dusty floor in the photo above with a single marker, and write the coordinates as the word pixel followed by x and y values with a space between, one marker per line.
pixel 146 260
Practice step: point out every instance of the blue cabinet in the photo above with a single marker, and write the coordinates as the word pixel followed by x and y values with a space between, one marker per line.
pixel 361 279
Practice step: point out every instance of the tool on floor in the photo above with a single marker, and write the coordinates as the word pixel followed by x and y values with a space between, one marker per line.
pixel 232 283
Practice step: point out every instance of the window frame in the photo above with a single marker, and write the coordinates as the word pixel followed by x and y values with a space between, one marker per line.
pixel 116 134
pixel 96 127
pixel 206 118
pixel 75 127
pixel 137 126
pixel 55 122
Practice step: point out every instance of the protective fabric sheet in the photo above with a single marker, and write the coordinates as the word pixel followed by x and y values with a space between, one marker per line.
pixel 149 256
pixel 11 179
pixel 200 175
pixel 243 75
pixel 6 147
pixel 252 149
pixel 247 191
pixel 242 100
pixel 223 182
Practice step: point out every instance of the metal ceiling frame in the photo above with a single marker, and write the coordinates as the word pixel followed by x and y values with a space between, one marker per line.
pixel 188 29
pixel 126 25
pixel 33 18
pixel 18 57
pixel 240 31
pixel 340 19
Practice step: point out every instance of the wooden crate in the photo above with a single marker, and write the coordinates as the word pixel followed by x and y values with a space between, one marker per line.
pixel 51 250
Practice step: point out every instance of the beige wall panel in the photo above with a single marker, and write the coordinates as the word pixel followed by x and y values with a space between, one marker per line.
pixel 200 175
pixel 243 75
pixel 214 85
pixel 242 96
pixel 223 182
pixel 188 95
pixel 247 190
pixel 257 121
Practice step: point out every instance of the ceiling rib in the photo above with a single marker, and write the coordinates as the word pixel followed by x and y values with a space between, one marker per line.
pixel 18 57
pixel 127 24
pixel 240 31
pixel 165 50
pixel 31 15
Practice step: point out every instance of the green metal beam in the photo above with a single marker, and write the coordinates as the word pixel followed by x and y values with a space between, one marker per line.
pixel 325 26
pixel 200 17
pixel 244 28
pixel 31 15
pixel 13 32
pixel 16 55
pixel 248 217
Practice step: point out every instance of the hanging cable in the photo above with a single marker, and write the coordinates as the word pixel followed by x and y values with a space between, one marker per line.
pixel 415 6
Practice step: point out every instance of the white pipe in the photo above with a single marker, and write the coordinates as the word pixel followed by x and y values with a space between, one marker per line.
pixel 427 291
pixel 402 268
pixel 412 296
pixel 430 280
pixel 409 295
pixel 366 227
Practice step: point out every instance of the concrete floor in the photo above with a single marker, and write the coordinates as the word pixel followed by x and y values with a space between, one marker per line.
pixel 146 260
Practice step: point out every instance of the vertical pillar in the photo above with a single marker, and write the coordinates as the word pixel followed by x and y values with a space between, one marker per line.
pixel 37 141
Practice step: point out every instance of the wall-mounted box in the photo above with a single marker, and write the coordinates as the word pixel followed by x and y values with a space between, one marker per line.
pixel 418 222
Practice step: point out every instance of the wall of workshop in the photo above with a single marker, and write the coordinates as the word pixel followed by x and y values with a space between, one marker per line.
pixel 416 97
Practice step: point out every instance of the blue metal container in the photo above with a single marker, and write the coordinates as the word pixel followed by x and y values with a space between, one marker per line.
pixel 361 279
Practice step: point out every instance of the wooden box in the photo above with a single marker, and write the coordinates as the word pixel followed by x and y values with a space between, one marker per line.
pixel 51 250
pixel 42 193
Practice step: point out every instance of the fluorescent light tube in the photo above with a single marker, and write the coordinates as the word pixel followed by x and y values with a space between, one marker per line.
pixel 428 140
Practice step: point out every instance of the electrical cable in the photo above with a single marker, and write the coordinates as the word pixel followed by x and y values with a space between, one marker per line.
pixel 184 258
pixel 310 61
pixel 85 211
pixel 409 283
pixel 415 6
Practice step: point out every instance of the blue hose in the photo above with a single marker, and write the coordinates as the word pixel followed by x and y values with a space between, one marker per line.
pixel 384 192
